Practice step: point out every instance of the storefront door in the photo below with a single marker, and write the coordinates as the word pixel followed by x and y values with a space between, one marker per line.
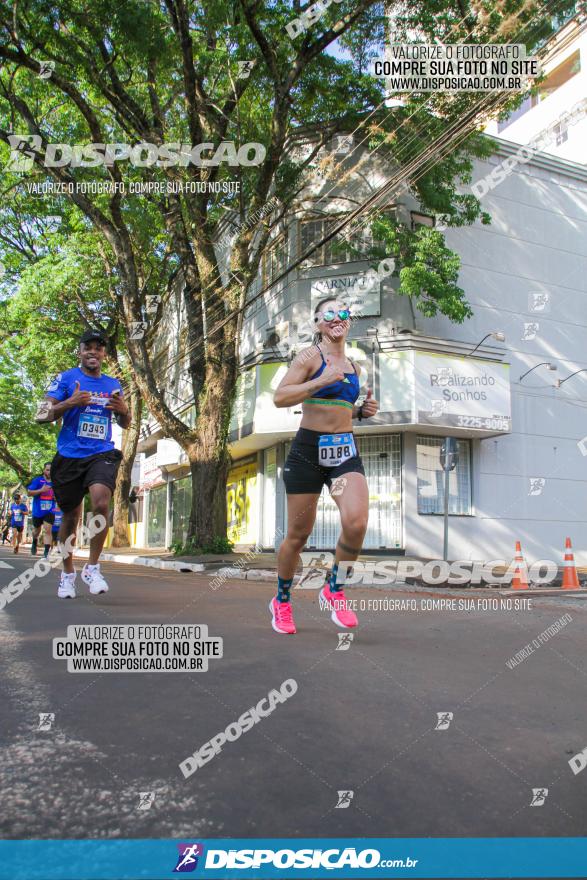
pixel 157 513
pixel 181 505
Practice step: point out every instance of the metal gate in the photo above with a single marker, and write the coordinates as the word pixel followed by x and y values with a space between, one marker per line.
pixel 157 513
pixel 181 506
pixel 382 461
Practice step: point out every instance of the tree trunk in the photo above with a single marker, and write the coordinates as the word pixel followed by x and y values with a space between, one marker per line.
pixel 130 439
pixel 208 494
pixel 209 458
pixel 9 460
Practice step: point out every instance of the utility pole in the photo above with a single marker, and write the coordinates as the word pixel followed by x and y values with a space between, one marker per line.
pixel 449 457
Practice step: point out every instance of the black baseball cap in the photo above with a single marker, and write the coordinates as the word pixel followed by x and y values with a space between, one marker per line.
pixel 15 496
pixel 91 335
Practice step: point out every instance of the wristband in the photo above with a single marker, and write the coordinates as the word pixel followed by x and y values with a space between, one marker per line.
pixel 44 411
pixel 360 413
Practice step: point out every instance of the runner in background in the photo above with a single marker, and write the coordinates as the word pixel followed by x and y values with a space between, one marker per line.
pixel 86 461
pixel 18 511
pixel 57 519
pixel 41 491
pixel 5 527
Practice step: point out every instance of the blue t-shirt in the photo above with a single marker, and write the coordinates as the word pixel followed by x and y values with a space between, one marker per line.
pixel 17 512
pixel 85 430
pixel 42 503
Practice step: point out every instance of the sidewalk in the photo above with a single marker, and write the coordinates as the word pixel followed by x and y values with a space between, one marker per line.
pixel 243 565
pixel 240 564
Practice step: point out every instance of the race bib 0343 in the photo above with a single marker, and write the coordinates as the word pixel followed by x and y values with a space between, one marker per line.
pixel 92 427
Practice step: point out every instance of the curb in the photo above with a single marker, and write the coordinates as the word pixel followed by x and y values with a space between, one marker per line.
pixel 225 573
pixel 262 574
pixel 148 561
pixel 239 574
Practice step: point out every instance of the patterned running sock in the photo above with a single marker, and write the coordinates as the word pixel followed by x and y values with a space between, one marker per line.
pixel 334 587
pixel 283 588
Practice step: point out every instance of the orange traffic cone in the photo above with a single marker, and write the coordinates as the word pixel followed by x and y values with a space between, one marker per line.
pixel 520 578
pixel 570 577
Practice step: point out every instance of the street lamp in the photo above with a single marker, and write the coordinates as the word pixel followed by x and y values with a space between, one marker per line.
pixel 560 382
pixel 374 337
pixel 498 335
pixel 372 332
pixel 546 364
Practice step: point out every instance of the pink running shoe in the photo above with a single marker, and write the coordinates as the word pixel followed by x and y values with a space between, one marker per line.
pixel 282 618
pixel 341 615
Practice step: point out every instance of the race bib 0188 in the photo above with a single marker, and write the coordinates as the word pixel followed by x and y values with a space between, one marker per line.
pixel 334 449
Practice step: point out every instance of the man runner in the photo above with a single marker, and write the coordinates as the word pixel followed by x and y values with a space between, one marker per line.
pixel 6 526
pixel 86 460
pixel 41 491
pixel 18 511
pixel 58 514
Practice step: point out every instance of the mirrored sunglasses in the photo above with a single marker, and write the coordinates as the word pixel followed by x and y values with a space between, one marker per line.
pixel 330 315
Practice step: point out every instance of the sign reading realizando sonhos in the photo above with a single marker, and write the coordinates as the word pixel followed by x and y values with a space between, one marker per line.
pixel 462 392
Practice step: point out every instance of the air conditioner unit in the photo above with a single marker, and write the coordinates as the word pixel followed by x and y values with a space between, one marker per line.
pixel 283 329
pixel 271 338
pixel 277 336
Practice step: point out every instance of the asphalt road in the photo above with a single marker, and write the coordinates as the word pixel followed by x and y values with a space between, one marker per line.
pixel 363 719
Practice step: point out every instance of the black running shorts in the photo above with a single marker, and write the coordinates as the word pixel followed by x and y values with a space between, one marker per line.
pixel 46 517
pixel 72 477
pixel 303 474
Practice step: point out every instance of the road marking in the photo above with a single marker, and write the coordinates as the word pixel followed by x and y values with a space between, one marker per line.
pixel 5 565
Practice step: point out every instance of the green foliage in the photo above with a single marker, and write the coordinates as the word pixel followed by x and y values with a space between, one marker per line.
pixel 428 270
pixel 125 63
pixel 124 73
pixel 218 545
pixel 29 443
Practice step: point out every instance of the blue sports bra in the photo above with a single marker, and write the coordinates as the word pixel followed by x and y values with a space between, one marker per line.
pixel 341 393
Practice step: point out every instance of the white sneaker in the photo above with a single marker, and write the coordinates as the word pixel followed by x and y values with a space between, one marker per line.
pixel 66 589
pixel 91 576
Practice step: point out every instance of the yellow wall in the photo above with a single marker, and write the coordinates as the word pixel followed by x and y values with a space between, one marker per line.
pixel 242 504
pixel 132 535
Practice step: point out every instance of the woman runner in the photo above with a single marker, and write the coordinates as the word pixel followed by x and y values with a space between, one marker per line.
pixel 326 382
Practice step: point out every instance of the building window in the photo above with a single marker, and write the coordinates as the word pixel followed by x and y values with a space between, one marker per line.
pixel 555 79
pixel 561 134
pixel 527 104
pixel 560 75
pixel 342 144
pixel 343 248
pixel 275 259
pixel 430 477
